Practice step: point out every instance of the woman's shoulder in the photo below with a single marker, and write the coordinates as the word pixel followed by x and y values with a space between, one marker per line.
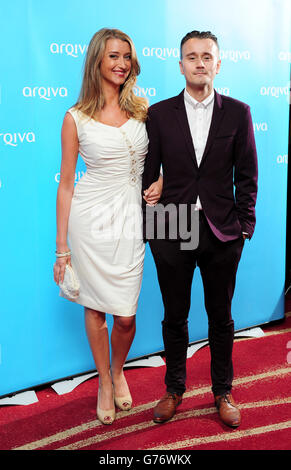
pixel 75 112
pixel 74 116
pixel 79 117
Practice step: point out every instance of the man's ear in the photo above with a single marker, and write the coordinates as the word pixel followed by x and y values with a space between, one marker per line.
pixel 181 67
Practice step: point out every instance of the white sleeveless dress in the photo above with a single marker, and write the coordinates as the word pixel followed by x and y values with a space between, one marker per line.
pixel 105 222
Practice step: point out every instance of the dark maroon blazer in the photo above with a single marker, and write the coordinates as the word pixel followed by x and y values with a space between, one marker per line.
pixel 226 180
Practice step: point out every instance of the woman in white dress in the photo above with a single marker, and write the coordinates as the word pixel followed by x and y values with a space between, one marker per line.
pixel 99 222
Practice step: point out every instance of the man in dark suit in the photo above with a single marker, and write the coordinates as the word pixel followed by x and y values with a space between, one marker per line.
pixel 205 144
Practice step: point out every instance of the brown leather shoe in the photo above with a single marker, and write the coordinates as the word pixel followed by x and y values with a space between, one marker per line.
pixel 228 410
pixel 166 407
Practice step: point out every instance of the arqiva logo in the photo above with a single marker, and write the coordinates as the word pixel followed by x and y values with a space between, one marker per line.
pixel 260 126
pixel 285 55
pixel 275 91
pixel 74 50
pixel 162 53
pixel 45 93
pixel 140 91
pixel 15 138
pixel 78 176
pixel 235 56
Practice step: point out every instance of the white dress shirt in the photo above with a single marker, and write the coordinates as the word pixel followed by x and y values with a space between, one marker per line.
pixel 199 116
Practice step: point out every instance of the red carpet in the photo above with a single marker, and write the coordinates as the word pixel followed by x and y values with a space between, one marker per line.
pixel 262 388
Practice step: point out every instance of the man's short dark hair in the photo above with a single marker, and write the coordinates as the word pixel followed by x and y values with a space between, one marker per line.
pixel 199 35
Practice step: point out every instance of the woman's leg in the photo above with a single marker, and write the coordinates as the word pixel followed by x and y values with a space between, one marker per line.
pixel 122 335
pixel 97 332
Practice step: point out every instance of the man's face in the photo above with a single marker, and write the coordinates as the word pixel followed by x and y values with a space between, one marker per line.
pixel 199 62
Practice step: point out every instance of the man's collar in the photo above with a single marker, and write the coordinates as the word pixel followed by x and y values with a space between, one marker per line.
pixel 196 103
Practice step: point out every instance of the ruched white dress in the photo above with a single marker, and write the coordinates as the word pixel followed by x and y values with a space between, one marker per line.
pixel 105 222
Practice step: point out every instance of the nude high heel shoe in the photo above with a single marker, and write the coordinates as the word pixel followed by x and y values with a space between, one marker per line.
pixel 105 416
pixel 123 403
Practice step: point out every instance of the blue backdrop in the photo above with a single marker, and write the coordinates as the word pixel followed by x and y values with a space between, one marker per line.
pixel 43 46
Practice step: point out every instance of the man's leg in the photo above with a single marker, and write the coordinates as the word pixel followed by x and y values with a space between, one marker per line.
pixel 218 262
pixel 175 270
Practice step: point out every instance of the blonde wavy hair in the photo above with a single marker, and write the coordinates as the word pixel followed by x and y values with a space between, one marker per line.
pixel 91 99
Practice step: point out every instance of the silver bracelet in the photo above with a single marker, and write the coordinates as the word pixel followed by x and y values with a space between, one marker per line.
pixel 62 255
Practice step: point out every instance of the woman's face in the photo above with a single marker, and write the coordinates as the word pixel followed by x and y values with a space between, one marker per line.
pixel 116 63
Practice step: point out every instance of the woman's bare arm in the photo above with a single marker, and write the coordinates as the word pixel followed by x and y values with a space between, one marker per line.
pixel 70 149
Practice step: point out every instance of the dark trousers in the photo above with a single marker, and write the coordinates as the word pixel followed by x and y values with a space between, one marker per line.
pixel 218 262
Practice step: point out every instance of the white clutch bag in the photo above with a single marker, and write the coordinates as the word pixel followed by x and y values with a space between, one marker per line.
pixel 71 285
